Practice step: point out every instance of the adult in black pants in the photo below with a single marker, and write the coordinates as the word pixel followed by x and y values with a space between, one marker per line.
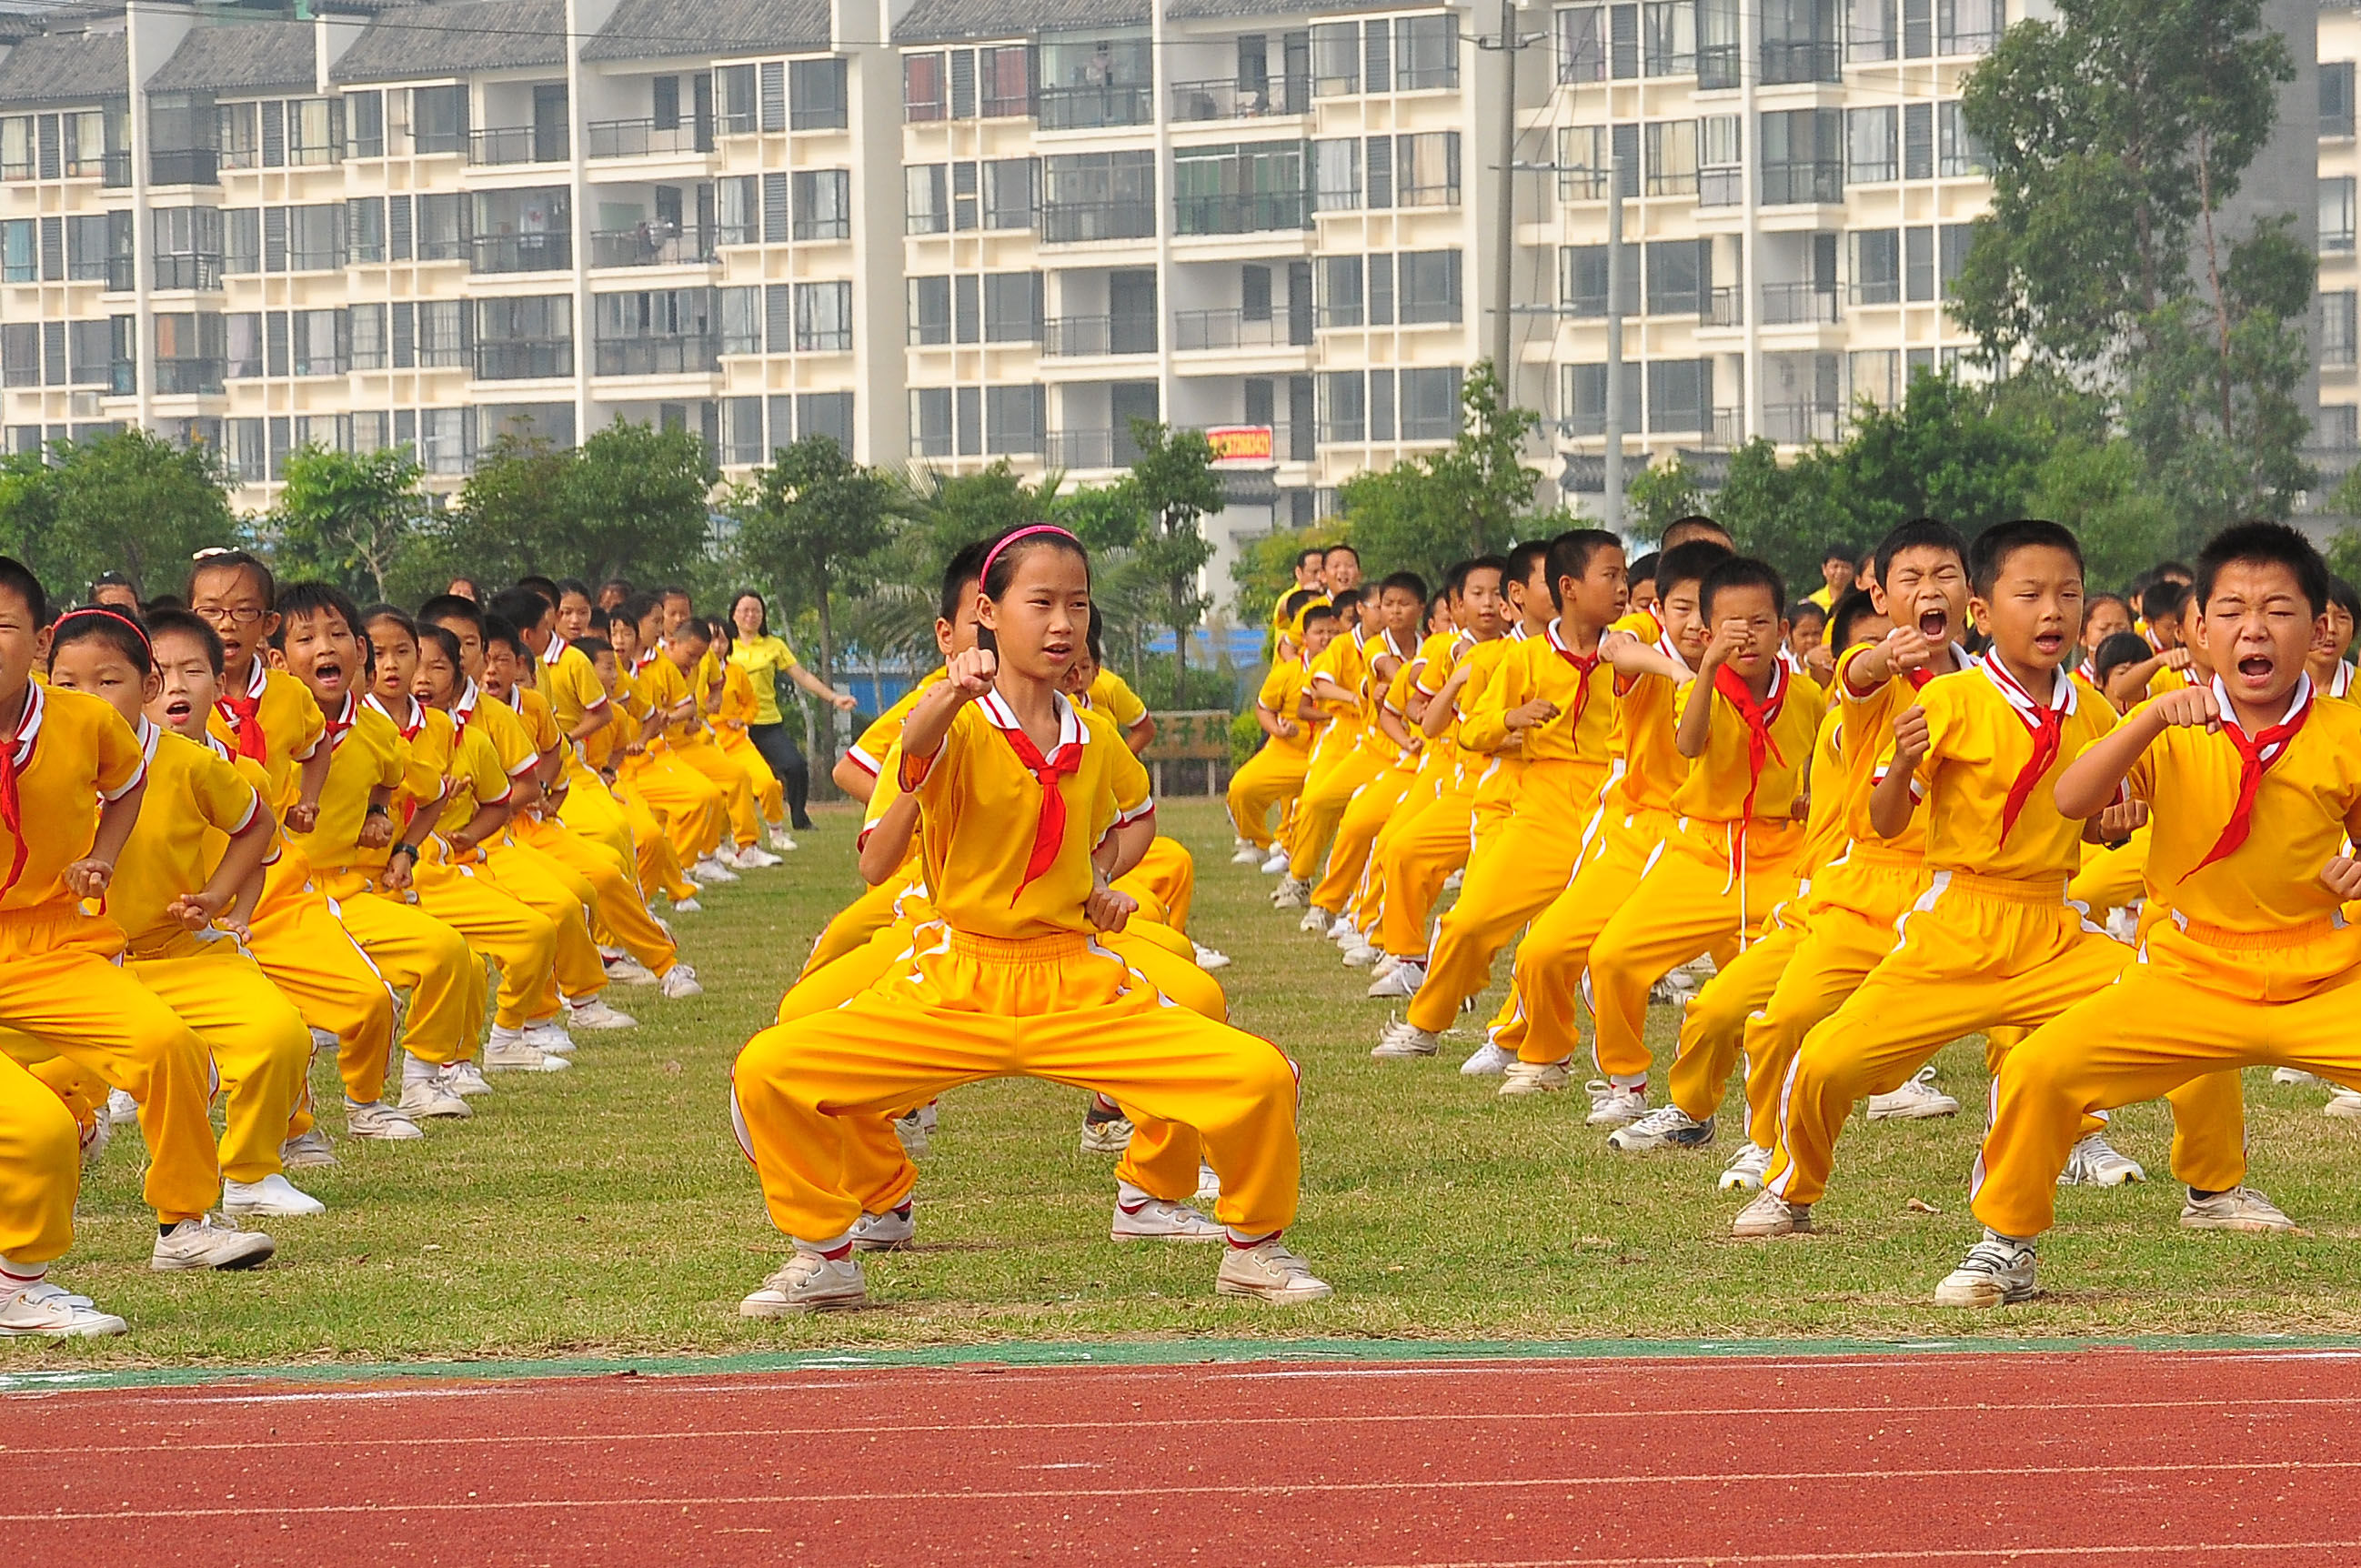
pixel 765 658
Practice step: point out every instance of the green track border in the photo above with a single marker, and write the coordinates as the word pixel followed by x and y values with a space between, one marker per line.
pixel 1129 1353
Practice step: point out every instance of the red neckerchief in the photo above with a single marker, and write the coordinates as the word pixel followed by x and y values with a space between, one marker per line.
pixel 244 715
pixel 1583 668
pixel 417 717
pixel 1758 716
pixel 2045 720
pixel 337 727
pixel 2255 755
pixel 1064 761
pixel 15 756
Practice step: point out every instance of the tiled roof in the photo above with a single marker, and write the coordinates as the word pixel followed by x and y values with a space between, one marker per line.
pixel 236 57
pixel 425 41
pixel 949 21
pixel 66 68
pixel 1182 10
pixel 659 29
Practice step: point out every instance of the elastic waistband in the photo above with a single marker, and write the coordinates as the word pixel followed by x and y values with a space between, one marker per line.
pixel 1875 858
pixel 2285 937
pixel 2014 890
pixel 1019 950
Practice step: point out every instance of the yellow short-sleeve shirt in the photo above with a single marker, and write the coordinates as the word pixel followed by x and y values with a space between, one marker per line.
pixel 869 752
pixel 1826 834
pixel 540 720
pixel 1281 688
pixel 425 735
pixel 571 684
pixel 1869 735
pixel 477 775
pixel 193 793
pixel 291 726
pixel 501 726
pixel 1110 694
pixel 1718 781
pixel 73 752
pixel 1543 668
pixel 366 757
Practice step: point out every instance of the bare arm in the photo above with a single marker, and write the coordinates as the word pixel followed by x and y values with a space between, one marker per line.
pixel 887 844
pixel 843 701
pixel 241 861
pixel 1891 802
pixel 2089 783
pixel 853 779
pixel 88 877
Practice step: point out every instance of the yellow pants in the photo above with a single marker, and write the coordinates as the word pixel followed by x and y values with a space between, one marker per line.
pixel 1690 903
pixel 591 810
pixel 41 1167
pixel 653 858
pixel 60 987
pixel 1713 1025
pixel 1327 792
pixel 1365 816
pixel 1537 1021
pixel 1525 866
pixel 551 888
pixel 737 788
pixel 261 1048
pixel 2111 879
pixel 690 805
pixel 770 794
pixel 615 905
pixel 1415 857
pixel 969 1008
pixel 520 941
pixel 1498 786
pixel 417 953
pixel 855 924
pixel 316 964
pixel 1974 952
pixel 1270 777
pixel 1168 874
pixel 2195 1006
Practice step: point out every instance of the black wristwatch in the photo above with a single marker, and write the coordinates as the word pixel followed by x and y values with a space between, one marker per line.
pixel 402 847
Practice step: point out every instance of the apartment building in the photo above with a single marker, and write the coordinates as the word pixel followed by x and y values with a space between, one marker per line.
pixel 2338 446
pixel 948 232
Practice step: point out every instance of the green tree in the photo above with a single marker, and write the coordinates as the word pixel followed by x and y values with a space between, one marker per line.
pixel 637 503
pixel 352 518
pixel 813 525
pixel 1470 499
pixel 128 501
pixel 1173 488
pixel 510 518
pixel 1658 497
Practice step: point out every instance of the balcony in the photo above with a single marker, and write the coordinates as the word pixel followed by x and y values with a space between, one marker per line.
pixel 114 171
pixel 1255 212
pixel 1798 304
pixel 1723 307
pixel 184 166
pixel 1791 184
pixel 120 278
pixel 524 358
pixel 1801 59
pixel 1724 187
pixel 426 143
pixel 520 143
pixel 1728 427
pixel 1797 424
pixel 675 354
pixel 1199 331
pixel 1087 108
pixel 182 378
pixel 645 138
pixel 1716 66
pixel 1072 336
pixel 1076 223
pixel 179 271
pixel 653 244
pixel 1876 291
pixel 1241 100
pixel 549 252
pixel 1091 449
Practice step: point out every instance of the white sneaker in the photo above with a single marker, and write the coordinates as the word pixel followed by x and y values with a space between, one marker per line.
pixel 2240 1209
pixel 1275 863
pixel 1665 1127
pixel 1402 980
pixel 596 1014
pixel 1456 880
pixel 678 983
pixel 2092 1163
pixel 2293 1075
pixel 464 1079
pixel 1110 1137
pixel 549 1036
pixel 273 1196
pixel 628 970
pixel 783 841
pixel 425 1097
pixel 1290 894
pixel 710 870
pixel 1997 1272
pixel 1245 854
pixel 1341 927
pixel 312 1151
pixel 1744 1174
pixel 912 1134
pixel 1362 954
pixel 809 1283
pixel 322 1040
pixel 512 1055
pixel 686 907
pixel 1269 1272
pixel 2346 1104
pixel 1401 1040
pixel 206 1243
pixel 1211 958
pixel 1520 1078
pixel 888 1232
pixel 1615 1105
pixel 378 1120
pixel 754 858
pixel 94 1137
pixel 1157 1219
pixel 1916 1101
pixel 1209 1184
pixel 121 1109
pixel 1315 920
pixel 43 1311
pixel 1771 1215
pixel 1490 1061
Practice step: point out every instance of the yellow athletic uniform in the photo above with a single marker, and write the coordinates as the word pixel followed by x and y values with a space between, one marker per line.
pixel 1345 759
pixel 737 709
pixel 1274 774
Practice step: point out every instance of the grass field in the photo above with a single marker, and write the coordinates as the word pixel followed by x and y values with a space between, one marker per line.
pixel 607 1210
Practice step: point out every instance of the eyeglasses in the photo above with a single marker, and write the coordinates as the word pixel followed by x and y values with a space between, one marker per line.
pixel 242 615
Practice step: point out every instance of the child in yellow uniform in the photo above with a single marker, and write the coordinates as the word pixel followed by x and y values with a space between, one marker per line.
pixel 579 708
pixel 2254 788
pixel 692 807
pixel 1274 774
pixel 168 895
pixel 1113 695
pixel 72 774
pixel 1993 940
pixel 1340 763
pixel 1028 808
pixel 608 752
pixel 688 740
pixel 262 714
pixel 1429 764
pixel 1557 696
pixel 1388 739
pixel 1532 1039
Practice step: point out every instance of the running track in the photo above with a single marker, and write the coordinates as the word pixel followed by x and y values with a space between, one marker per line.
pixel 2100 1457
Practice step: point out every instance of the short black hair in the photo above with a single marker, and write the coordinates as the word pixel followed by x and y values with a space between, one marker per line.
pixel 964 570
pixel 1312 552
pixel 1851 607
pixel 1340 545
pixel 1644 570
pixel 235 561
pixel 2163 599
pixel 1695 523
pixel 17 578
pixel 1007 550
pixel 1294 606
pixel 1571 552
pixel 674 591
pixel 1482 563
pixel 534 584
pixel 692 630
pixel 180 624
pixel 452 607
pixel 2344 596
pixel 1995 545
pixel 1739 572
pixel 1919 533
pixel 394 613
pixel 625 583
pixel 2093 602
pixel 303 600
pixel 574 585
pixel 164 601
pixel 1522 557
pixel 1840 551
pixel 591 647
pixel 1409 583
pixel 96 623
pixel 1095 638
pixel 638 608
pixel 2264 544
pixel 2175 569
pixel 523 606
pixel 1688 563
pixel 1323 610
pixel 1351 596
pixel 2122 648
pixel 1808 609
pixel 445 639
pixel 502 632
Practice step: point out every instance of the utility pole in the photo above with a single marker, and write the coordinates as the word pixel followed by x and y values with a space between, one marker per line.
pixel 1612 503
pixel 1504 238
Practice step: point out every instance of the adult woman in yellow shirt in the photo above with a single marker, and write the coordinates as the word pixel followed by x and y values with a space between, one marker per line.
pixel 765 658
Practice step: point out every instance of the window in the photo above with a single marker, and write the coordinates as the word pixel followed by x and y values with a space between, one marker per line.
pixel 2339 428
pixel 1381 172
pixel 1671 154
pixel 1012 307
pixel 365 125
pixel 1340 291
pixel 1623 42
pixel 930 311
pixel 771 94
pixel 1803 156
pixel 1092 79
pixel 1917 264
pixel 443 229
pixel 817 89
pixel 1583 398
pixel 1335 58
pixel 53 250
pixel 1240 188
pixel 826 413
pixel 1429 289
pixel 1581 280
pixel 1875 373
pixel 967 308
pixel 1581 43
pixel 930 421
pixel 1877 267
pixel 824 204
pixel 1721 152
pixel 1918 141
pixel 741 431
pixel 1336 174
pixel 2336 215
pixel 962 83
pixel 1872 145
pixel 88 246
pixel 1429 404
pixel 1005 77
pixel 1669 37
pixel 1953 242
pixel 741 320
pixel 1800 41
pixel 1680 275
pixel 235 142
pixel 243 346
pixel 1426 169
pixel 1344 406
pixel 443 333
pixel 365 332
pixel 188 246
pixel 2335 97
pixel 1380 275
pixel 926 199
pixel 1426 51
pixel 734 93
pixel 1959 152
pixel 365 228
pixel 438 119
pixel 16 146
pixel 1717 44
pixel 823 317
pixel 737 209
pixel 922 87
pixel 2337 330
pixel 1583 162
pixel 1967 27
pixel 777 221
pixel 91 356
pixel 779 317
pixel 316 237
pixel 446 440
pixel 1015 419
pixel 1098 195
pixel 1011 192
pixel 522 338
pixel 19 257
pixel 20 354
pixel 401 229
pixel 1377 58
pixel 319 342
pixel 315 130
pixel 966 198
pixel 1680 395
pixel 654 331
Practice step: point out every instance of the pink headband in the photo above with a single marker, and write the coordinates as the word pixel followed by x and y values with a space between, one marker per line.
pixel 137 630
pixel 1021 535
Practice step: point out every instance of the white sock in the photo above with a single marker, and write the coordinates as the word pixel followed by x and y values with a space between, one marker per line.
pixel 416 1071
pixel 1629 1083
pixel 1130 1198
pixel 17 1278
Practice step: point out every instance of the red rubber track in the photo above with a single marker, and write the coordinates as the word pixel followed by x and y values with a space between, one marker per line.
pixel 2098 1457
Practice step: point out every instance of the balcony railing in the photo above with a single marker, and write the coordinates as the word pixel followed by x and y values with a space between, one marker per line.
pixel 1075 336
pixel 2336 123
pixel 1795 424
pixel 520 143
pixel 184 166
pixel 1801 59
pixel 524 358
pixel 181 272
pixel 1201 330
pixel 1074 223
pixel 680 354
pixel 1091 449
pixel 644 139
pixel 549 252
pixel 1729 427
pixel 120 275
pixel 653 245
pixel 1724 187
pixel 176 377
pixel 1787 184
pixel 1876 291
pixel 429 142
pixel 1227 100
pixel 1717 66
pixel 1794 304
pixel 1087 108
pixel 1244 213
